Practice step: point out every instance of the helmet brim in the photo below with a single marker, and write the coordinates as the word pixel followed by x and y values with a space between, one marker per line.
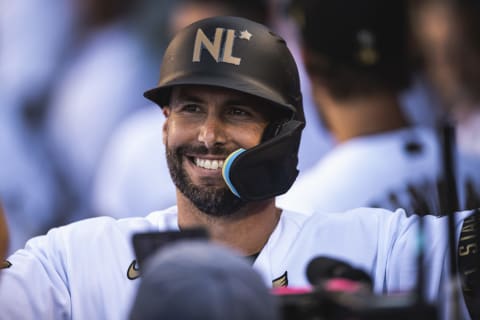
pixel 161 94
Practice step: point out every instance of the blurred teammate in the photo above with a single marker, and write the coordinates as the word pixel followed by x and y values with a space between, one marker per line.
pixel 447 34
pixel 93 93
pixel 357 55
pixel 448 37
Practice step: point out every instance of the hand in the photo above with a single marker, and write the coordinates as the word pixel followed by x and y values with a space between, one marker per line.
pixel 3 235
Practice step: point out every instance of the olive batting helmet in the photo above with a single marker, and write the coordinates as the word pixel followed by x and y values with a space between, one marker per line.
pixel 239 54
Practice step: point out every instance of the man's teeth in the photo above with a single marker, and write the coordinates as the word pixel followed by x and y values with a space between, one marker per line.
pixel 209 164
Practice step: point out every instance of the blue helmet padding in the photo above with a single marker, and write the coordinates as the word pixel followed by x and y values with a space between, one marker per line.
pixel 226 170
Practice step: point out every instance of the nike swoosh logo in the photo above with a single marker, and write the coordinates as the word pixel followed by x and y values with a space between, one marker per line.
pixel 281 281
pixel 5 264
pixel 133 272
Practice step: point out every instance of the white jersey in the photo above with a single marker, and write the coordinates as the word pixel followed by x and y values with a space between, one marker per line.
pixel 378 171
pixel 86 270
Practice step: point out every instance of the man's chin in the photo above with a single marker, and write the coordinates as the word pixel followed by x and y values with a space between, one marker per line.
pixel 211 184
pixel 214 201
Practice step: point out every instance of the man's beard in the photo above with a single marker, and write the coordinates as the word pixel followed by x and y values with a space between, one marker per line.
pixel 212 200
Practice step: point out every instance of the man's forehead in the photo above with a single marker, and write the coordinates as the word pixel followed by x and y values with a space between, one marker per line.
pixel 207 93
pixel 225 96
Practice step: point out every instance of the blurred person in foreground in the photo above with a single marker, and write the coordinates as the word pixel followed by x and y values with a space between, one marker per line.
pixel 229 89
pixel 200 280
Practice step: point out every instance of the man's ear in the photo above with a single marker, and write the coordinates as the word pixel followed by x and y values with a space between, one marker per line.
pixel 166 113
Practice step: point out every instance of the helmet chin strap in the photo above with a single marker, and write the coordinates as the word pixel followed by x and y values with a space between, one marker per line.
pixel 271 131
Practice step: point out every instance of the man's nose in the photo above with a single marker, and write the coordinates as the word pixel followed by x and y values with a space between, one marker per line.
pixel 212 132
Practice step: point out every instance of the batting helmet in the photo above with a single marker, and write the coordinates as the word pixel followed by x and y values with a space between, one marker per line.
pixel 239 54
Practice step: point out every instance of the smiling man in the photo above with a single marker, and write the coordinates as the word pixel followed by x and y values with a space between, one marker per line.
pixel 204 126
pixel 229 89
pixel 230 92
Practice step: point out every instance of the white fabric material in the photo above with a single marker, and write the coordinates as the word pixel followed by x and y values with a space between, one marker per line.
pixel 80 271
pixel 368 170
pixel 360 171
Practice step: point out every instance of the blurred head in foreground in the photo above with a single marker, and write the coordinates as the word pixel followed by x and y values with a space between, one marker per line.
pixel 201 280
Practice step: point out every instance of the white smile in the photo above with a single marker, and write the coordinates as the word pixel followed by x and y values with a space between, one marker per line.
pixel 209 164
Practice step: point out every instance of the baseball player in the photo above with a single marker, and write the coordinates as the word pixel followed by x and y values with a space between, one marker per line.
pixel 358 72
pixel 133 178
pixel 229 90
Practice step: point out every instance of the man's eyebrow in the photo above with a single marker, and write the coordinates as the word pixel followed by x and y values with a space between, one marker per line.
pixel 188 98
pixel 237 101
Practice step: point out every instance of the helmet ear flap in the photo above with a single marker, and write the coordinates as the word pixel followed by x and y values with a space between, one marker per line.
pixel 268 169
pixel 273 129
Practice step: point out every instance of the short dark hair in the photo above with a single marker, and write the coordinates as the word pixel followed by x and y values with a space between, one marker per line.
pixel 356 47
pixel 255 10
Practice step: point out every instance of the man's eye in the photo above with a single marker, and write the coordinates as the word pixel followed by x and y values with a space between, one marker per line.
pixel 191 108
pixel 238 112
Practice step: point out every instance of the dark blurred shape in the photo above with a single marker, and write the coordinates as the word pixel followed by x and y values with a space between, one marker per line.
pixel 146 244
pixel 185 12
pixel 342 291
pixel 350 39
pixel 200 280
pixel 322 269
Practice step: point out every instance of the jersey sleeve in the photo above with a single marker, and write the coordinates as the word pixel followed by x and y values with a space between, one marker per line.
pixel 402 259
pixel 385 244
pixel 34 286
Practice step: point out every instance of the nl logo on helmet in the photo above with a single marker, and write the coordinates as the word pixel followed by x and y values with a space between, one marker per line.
pixel 221 48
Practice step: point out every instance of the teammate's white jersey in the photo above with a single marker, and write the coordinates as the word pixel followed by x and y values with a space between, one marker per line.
pixel 380 170
pixel 86 270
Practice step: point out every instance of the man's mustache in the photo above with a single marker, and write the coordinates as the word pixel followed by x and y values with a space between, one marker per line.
pixel 202 150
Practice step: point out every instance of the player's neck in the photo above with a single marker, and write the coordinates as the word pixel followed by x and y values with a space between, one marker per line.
pixel 247 231
pixel 364 116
